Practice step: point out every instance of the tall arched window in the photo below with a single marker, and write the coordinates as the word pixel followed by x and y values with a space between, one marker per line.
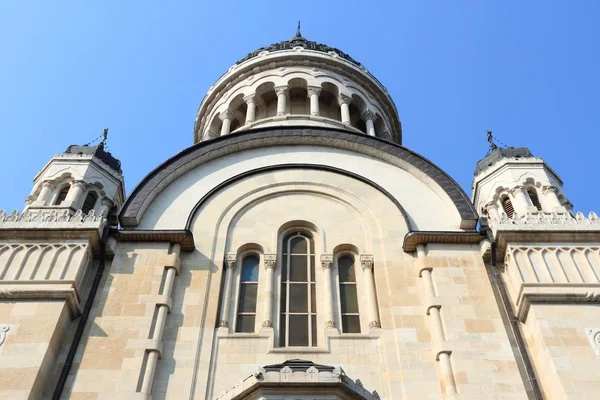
pixel 246 312
pixel 62 195
pixel 508 207
pixel 348 295
pixel 298 318
pixel 534 198
pixel 89 202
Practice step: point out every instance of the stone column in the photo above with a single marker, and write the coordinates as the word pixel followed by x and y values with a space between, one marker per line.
pixel 251 110
pixel 44 196
pixel 492 210
pixel 281 99
pixel 551 197
pixel 366 261
pixel 270 264
pixel 368 116
pixel 344 102
pixel 229 263
pixel 327 264
pixel 521 202
pixel 313 93
pixel 226 117
pixel 442 353
pixel 105 207
pixel 75 193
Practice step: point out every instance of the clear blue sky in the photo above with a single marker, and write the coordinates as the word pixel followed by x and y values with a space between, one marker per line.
pixel 528 70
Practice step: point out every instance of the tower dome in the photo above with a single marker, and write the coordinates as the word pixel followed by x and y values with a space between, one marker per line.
pixel 297 82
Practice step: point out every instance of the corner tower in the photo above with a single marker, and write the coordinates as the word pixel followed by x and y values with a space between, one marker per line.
pixel 297 82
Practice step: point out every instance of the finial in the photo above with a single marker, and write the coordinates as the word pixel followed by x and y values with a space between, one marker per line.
pixel 298 34
pixel 490 140
pixel 104 137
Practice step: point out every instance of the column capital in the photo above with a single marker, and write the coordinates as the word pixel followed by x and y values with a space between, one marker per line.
pixel 329 324
pixel 374 324
pixel 267 323
pixel 223 324
pixel 230 261
pixel 344 99
pixel 314 90
pixel 279 90
pixel 270 261
pixel 368 114
pixel 81 184
pixel 49 184
pixel 226 115
pixel 250 98
pixel 491 205
pixel 366 261
pixel 547 189
pixel 517 189
pixel 327 261
pixel 106 202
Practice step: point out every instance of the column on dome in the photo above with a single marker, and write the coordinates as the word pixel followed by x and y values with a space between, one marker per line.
pixel 270 264
pixel 226 117
pixel 551 197
pixel 327 264
pixel 229 263
pixel 313 93
pixel 369 117
pixel 75 193
pixel 44 196
pixel 366 261
pixel 281 92
pixel 251 110
pixel 344 102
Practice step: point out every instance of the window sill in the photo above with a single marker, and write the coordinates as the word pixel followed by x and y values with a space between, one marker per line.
pixel 311 350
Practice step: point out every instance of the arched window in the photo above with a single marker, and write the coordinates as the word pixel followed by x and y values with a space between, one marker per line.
pixel 246 312
pixel 348 295
pixel 508 207
pixel 62 195
pixel 534 198
pixel 298 314
pixel 89 202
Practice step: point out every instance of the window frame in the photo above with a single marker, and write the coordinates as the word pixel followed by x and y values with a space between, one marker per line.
pixel 62 187
pixel 238 292
pixel 338 282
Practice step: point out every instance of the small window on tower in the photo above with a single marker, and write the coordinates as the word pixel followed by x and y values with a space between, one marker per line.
pixel 89 203
pixel 534 199
pixel 62 195
pixel 246 313
pixel 348 295
pixel 508 207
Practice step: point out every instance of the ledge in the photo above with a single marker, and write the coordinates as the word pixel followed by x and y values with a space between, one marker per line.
pixel 43 290
pixel 555 293
pixel 412 239
pixel 183 237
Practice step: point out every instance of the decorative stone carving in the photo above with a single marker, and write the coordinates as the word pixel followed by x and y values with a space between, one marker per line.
pixel 279 90
pixel 250 98
pixel 3 330
pixel 5 293
pixel 223 324
pixel 329 324
pixel 368 114
pixel 546 220
pixel 226 115
pixel 49 215
pixel 344 99
pixel 366 261
pixel 593 335
pixel 270 261
pixel 374 324
pixel 327 261
pixel 230 261
pixel 314 90
pixel 267 323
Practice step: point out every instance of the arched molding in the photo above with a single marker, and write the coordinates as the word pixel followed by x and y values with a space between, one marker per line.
pixel 143 195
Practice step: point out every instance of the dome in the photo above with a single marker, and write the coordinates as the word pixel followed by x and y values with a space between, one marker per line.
pixel 299 41
pixel 302 83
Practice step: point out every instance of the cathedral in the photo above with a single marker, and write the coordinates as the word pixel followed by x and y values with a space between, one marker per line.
pixel 297 251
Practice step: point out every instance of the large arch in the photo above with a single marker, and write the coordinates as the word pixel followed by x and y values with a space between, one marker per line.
pixel 190 158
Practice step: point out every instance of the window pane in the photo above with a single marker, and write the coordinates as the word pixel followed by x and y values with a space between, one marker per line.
pixel 350 324
pixel 312 246
pixel 313 321
pixel 348 299
pixel 245 323
pixel 313 299
pixel 346 269
pixel 282 299
pixel 312 268
pixel 298 268
pixel 250 269
pixel 284 268
pixel 298 245
pixel 298 330
pixel 298 297
pixel 282 331
pixel 247 297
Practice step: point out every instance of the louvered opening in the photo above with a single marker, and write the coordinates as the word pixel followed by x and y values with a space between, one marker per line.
pixel 62 195
pixel 508 207
pixel 89 203
pixel 534 199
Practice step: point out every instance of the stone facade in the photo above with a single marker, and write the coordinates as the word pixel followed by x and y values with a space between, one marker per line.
pixel 298 251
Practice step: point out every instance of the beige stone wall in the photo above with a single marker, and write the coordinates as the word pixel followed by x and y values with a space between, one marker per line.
pixel 565 361
pixel 28 354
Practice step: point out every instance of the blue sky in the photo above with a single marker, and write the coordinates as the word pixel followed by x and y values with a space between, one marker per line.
pixel 528 70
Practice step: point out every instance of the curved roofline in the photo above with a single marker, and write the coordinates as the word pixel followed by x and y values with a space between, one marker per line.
pixel 141 197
